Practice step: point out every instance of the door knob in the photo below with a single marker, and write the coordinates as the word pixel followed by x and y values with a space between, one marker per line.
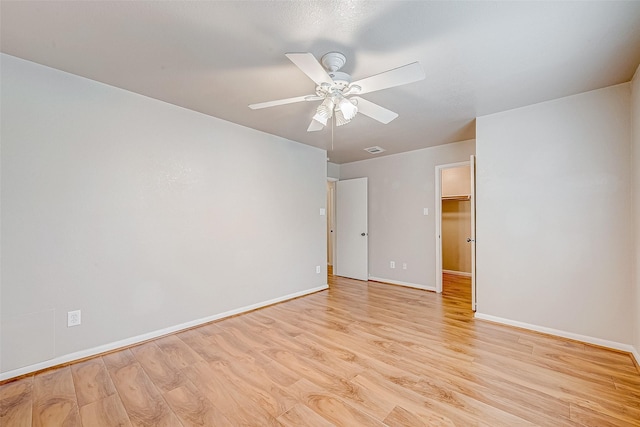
pixel 469 239
pixel 363 234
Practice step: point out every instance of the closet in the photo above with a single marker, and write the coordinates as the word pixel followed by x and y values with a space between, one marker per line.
pixel 456 220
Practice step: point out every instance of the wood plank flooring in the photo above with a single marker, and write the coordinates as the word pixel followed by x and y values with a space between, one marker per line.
pixel 358 354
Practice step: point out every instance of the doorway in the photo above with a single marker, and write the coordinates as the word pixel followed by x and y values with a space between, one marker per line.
pixel 455 243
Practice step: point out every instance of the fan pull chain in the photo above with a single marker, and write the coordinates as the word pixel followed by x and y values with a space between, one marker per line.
pixel 333 121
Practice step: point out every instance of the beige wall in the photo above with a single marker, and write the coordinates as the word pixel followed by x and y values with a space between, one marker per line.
pixel 554 214
pixel 143 215
pixel 456 227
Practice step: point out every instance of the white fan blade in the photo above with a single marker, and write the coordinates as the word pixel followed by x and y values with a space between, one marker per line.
pixel 315 126
pixel 398 76
pixel 283 101
pixel 310 66
pixel 374 111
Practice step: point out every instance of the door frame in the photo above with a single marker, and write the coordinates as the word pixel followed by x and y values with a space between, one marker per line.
pixel 438 219
pixel 472 237
pixel 331 216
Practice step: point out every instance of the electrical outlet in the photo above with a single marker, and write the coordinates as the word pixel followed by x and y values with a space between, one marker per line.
pixel 74 318
pixel 404 265
pixel 318 270
pixel 392 264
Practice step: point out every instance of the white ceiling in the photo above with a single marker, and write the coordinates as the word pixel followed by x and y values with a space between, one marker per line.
pixel 217 57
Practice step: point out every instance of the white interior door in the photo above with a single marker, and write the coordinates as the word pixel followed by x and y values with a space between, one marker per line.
pixel 331 185
pixel 472 238
pixel 352 235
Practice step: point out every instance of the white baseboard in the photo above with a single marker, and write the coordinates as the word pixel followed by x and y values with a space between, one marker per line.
pixel 407 284
pixel 564 334
pixel 457 273
pixel 61 360
pixel 636 355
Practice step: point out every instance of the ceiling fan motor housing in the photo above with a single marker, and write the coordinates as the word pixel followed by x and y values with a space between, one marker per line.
pixel 340 83
pixel 340 79
pixel 333 61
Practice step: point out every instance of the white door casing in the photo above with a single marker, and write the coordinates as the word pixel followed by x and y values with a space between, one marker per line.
pixel 472 237
pixel 438 218
pixel 331 218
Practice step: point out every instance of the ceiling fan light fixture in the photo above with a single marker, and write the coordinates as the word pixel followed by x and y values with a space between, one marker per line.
pixel 320 118
pixel 348 108
pixel 324 111
pixel 341 119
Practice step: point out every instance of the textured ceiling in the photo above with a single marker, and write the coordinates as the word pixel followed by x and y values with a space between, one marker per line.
pixel 218 57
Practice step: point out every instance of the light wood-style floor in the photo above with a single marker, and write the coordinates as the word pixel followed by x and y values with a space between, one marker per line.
pixel 359 354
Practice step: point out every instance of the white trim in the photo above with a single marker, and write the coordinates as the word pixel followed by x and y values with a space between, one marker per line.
pixel 148 336
pixel 635 354
pixel 407 284
pixel 563 334
pixel 473 198
pixel 331 218
pixel 457 273
pixel 438 218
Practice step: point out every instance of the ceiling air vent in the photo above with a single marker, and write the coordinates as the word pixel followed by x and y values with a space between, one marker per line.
pixel 375 150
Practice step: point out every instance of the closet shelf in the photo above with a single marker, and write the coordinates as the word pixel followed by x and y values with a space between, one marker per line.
pixel 459 197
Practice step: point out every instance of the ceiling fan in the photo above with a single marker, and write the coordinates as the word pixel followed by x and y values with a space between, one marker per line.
pixel 339 94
